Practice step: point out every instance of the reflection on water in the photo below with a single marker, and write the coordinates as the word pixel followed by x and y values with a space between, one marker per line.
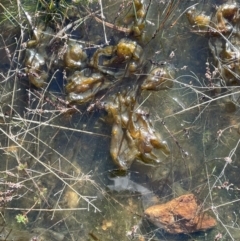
pixel 57 171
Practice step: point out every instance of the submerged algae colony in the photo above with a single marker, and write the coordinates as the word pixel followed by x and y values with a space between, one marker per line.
pixel 120 68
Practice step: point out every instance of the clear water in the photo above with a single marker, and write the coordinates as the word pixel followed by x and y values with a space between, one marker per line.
pixel 62 163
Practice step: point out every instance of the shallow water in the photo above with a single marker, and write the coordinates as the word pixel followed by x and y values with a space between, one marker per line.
pixel 62 164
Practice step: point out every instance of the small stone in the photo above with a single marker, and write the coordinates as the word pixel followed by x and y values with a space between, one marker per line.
pixel 71 199
pixel 180 215
pixel 106 224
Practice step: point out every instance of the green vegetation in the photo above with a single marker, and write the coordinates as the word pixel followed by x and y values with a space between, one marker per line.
pixel 22 219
